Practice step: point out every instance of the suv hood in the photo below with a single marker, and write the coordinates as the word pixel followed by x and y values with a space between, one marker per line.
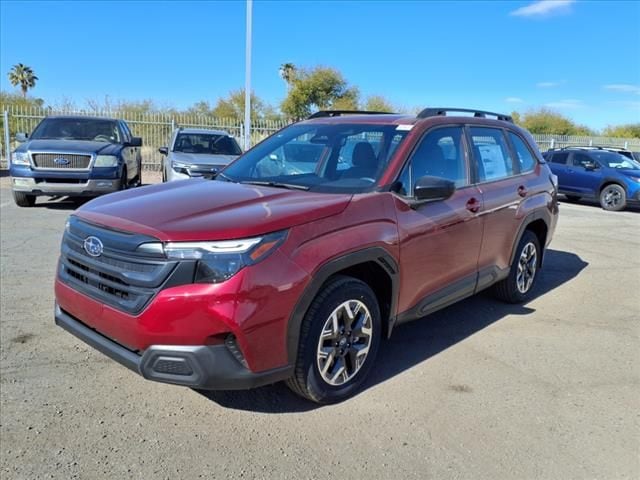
pixel 202 158
pixel 198 210
pixel 68 146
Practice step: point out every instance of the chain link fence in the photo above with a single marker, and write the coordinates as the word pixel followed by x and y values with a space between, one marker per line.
pixel 155 130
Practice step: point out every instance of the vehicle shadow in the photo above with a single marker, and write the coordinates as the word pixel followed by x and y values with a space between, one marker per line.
pixel 415 342
pixel 631 207
pixel 61 203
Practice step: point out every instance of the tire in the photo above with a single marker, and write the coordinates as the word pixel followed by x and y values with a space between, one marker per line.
pixel 123 179
pixel 164 174
pixel 517 287
pixel 613 198
pixel 573 198
pixel 23 199
pixel 319 362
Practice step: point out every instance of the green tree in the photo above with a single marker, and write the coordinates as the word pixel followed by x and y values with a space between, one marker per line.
pixel 23 76
pixel 233 106
pixel 546 121
pixel 288 73
pixel 320 88
pixel 377 103
pixel 629 130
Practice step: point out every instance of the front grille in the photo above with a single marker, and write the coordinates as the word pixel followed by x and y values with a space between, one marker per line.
pixel 205 169
pixel 120 278
pixel 61 160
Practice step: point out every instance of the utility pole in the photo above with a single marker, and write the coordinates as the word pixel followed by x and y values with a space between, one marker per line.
pixel 247 80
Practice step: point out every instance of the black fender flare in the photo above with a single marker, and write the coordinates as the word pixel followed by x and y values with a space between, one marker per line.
pixel 372 254
pixel 543 215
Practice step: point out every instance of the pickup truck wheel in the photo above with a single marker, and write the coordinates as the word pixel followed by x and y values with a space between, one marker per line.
pixel 339 340
pixel 517 287
pixel 24 200
pixel 123 179
pixel 613 198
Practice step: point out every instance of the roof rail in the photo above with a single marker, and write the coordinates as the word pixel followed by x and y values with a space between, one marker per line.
pixel 442 111
pixel 339 113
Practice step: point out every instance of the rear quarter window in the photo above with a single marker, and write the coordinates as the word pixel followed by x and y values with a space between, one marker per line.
pixel 524 156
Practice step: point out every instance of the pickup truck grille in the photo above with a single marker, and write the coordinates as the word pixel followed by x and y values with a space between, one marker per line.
pixel 61 160
pixel 118 277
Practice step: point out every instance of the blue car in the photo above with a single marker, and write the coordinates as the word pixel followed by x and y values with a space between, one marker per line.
pixel 596 173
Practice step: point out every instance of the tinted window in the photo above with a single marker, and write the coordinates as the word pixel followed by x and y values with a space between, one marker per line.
pixel 209 144
pixel 580 159
pixel 615 160
pixel 491 154
pixel 559 157
pixel 440 154
pixel 525 157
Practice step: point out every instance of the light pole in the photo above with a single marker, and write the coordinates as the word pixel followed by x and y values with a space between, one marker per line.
pixel 247 80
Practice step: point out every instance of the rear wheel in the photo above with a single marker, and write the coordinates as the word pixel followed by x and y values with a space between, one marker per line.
pixel 339 340
pixel 517 287
pixel 613 198
pixel 23 199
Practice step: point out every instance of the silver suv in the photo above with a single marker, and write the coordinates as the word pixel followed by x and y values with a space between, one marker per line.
pixel 195 152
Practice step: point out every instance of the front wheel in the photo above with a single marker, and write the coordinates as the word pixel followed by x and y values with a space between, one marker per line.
pixel 124 181
pixel 517 287
pixel 339 340
pixel 613 198
pixel 23 199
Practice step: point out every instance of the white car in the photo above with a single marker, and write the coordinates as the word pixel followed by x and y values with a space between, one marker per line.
pixel 195 152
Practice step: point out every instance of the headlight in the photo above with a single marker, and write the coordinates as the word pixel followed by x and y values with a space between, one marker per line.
pixel 219 261
pixel 179 166
pixel 20 158
pixel 635 179
pixel 106 161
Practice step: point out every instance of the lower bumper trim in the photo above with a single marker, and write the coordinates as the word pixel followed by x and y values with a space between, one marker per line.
pixel 90 187
pixel 206 367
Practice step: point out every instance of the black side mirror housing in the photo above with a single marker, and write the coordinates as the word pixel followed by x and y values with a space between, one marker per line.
pixel 164 150
pixel 433 189
pixel 21 137
pixel 135 142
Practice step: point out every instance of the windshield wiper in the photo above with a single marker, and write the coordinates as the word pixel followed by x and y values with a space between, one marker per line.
pixel 264 183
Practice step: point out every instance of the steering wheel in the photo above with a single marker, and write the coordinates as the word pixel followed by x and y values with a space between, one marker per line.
pixel 102 138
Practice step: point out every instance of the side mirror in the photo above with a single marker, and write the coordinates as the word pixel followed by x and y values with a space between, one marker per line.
pixel 135 142
pixel 21 137
pixel 590 166
pixel 164 150
pixel 432 189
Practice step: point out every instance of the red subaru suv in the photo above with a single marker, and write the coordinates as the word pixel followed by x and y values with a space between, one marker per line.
pixel 308 250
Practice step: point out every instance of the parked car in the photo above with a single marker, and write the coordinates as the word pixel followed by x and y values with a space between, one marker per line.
pixel 75 156
pixel 259 277
pixel 597 174
pixel 195 152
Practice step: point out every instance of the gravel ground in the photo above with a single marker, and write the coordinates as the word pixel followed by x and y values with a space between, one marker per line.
pixel 481 390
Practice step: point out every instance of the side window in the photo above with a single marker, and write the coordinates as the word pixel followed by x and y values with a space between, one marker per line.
pixel 440 154
pixel 580 159
pixel 559 158
pixel 126 132
pixel 525 157
pixel 491 154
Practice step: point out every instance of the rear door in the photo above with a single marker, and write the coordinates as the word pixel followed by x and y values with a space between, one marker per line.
pixel 558 164
pixel 439 241
pixel 503 187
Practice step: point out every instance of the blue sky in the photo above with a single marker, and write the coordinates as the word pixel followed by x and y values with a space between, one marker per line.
pixel 581 58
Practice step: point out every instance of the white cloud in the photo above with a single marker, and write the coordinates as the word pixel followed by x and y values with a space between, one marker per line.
pixel 547 84
pixel 623 88
pixel 543 8
pixel 569 103
pixel 630 104
pixel 514 100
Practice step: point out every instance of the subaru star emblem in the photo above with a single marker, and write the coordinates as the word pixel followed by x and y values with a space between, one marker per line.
pixel 93 246
pixel 61 161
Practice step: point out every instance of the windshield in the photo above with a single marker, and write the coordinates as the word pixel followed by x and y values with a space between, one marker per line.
pixel 90 129
pixel 325 158
pixel 616 160
pixel 206 143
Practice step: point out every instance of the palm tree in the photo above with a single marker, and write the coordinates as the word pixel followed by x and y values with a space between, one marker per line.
pixel 288 73
pixel 22 75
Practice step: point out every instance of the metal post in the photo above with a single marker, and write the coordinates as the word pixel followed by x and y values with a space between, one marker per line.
pixel 247 80
pixel 7 146
pixel 553 142
pixel 626 145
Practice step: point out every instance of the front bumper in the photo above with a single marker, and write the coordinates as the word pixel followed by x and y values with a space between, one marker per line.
pixel 207 367
pixel 84 188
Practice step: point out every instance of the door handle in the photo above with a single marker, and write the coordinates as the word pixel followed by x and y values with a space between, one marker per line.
pixel 522 191
pixel 473 205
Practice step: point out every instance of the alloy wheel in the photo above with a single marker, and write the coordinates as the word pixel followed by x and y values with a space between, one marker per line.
pixel 612 197
pixel 527 265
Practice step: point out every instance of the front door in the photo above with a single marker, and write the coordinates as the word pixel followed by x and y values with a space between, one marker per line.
pixel 439 241
pixel 579 178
